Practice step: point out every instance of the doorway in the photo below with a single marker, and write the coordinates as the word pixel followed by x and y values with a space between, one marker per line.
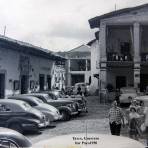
pixel 24 84
pixel 41 81
pixel 143 82
pixel 120 82
pixel 49 82
pixel 2 85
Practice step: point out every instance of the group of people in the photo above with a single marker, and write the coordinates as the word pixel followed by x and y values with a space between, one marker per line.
pixel 136 117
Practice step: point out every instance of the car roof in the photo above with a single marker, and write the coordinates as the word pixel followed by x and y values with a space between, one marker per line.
pixel 103 141
pixel 27 97
pixel 18 102
pixel 41 94
pixel 143 98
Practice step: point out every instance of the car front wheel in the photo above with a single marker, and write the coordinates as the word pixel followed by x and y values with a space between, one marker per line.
pixel 65 115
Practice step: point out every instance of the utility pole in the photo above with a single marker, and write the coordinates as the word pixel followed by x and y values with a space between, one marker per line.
pixel 115 7
pixel 4 30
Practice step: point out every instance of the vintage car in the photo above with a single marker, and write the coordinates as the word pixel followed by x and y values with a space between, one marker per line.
pixel 90 141
pixel 143 100
pixel 20 116
pixel 80 101
pixel 66 108
pixel 127 94
pixel 85 88
pixel 49 111
pixel 13 139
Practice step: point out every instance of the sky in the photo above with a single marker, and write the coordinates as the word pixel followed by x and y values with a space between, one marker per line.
pixel 57 25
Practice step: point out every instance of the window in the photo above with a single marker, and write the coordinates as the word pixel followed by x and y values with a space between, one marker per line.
pixel 4 108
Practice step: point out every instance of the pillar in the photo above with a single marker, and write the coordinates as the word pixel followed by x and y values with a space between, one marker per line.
pixel 102 37
pixel 136 42
pixel 137 76
pixel 136 55
pixel 68 74
pixel 103 76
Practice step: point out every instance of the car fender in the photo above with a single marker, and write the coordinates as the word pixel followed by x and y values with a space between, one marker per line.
pixel 12 120
pixel 64 108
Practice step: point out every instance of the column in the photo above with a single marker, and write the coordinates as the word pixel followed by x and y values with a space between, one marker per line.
pixel 86 65
pixel 102 37
pixel 137 76
pixel 68 74
pixel 103 83
pixel 136 42
pixel 103 76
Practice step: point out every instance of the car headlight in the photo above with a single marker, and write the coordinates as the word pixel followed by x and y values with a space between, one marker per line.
pixel 69 105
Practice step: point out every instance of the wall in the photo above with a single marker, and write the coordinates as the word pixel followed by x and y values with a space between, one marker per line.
pixel 128 72
pixel 9 63
pixel 95 59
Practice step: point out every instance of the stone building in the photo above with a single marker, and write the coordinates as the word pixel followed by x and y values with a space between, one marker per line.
pixel 24 67
pixel 123 46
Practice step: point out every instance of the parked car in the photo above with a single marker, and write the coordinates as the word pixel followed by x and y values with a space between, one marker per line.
pixel 85 88
pixel 20 116
pixel 142 100
pixel 66 108
pixel 13 139
pixel 51 113
pixel 80 101
pixel 126 94
pixel 89 141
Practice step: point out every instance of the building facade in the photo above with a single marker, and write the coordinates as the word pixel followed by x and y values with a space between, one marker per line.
pixel 78 65
pixel 24 67
pixel 59 75
pixel 123 46
pixel 95 65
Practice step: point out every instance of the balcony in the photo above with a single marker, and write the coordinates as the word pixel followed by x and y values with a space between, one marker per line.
pixel 113 56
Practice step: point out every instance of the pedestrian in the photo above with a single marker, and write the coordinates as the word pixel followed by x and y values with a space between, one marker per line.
pixel 79 92
pixel 134 130
pixel 146 123
pixel 116 119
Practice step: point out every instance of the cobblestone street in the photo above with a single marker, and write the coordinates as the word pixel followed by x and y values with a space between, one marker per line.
pixel 95 121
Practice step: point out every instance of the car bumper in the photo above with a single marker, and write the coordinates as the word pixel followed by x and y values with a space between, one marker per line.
pixel 59 117
pixel 82 109
pixel 74 113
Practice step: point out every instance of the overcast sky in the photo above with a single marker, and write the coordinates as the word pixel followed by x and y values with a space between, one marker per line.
pixel 57 25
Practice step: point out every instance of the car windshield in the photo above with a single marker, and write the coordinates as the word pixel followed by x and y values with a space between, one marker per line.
pixel 59 95
pixel 39 101
pixel 52 96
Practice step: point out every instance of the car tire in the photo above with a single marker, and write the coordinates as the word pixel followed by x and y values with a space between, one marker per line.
pixel 16 126
pixel 65 115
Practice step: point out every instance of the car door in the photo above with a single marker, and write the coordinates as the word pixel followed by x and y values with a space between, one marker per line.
pixel 5 114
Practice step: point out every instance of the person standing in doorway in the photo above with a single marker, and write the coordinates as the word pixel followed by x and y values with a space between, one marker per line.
pixel 116 119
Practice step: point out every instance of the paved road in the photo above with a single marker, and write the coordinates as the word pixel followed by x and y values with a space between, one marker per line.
pixel 95 121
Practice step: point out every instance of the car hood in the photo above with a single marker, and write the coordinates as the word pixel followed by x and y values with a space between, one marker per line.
pixel 71 99
pixel 47 107
pixel 62 101
pixel 36 112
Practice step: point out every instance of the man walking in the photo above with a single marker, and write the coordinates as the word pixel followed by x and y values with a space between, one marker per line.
pixel 116 118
